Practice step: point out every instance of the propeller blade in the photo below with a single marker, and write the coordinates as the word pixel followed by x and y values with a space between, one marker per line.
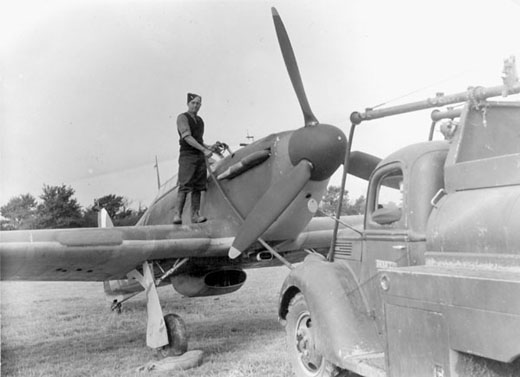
pixel 362 164
pixel 292 68
pixel 274 202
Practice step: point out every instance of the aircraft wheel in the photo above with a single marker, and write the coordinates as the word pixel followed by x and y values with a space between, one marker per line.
pixel 177 337
pixel 305 358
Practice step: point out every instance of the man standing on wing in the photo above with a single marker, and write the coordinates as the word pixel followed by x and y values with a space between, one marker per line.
pixel 192 160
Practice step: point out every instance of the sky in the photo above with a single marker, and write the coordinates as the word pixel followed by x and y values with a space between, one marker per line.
pixel 90 90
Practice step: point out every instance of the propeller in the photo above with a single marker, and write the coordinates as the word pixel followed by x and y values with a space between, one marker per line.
pixel 271 206
pixel 362 164
pixel 315 154
pixel 292 68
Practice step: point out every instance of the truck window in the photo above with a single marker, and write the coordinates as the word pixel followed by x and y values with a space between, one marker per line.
pixel 389 198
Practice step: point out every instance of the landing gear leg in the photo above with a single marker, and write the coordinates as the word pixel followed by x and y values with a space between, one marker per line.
pixel 167 334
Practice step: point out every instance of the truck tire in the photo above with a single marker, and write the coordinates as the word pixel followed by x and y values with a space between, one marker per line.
pixel 306 360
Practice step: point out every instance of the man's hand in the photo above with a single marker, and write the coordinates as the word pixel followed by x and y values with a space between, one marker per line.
pixel 218 148
pixel 207 153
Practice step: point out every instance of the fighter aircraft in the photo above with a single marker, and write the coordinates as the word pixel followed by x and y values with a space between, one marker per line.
pixel 260 203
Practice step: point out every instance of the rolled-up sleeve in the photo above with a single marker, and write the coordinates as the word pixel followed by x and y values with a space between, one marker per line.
pixel 183 126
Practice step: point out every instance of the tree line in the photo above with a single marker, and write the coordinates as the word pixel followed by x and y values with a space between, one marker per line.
pixel 57 208
pixel 329 203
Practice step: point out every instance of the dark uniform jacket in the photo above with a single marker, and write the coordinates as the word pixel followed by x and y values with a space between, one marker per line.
pixel 192 165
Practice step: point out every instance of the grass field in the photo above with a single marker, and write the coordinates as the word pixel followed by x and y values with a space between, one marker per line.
pixel 67 329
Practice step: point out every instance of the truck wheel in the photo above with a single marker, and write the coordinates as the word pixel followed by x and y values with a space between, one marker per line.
pixel 306 360
pixel 177 337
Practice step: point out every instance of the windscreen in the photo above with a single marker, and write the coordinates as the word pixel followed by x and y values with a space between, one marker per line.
pixel 491 131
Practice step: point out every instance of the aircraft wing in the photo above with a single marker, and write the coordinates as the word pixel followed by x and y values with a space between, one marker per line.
pixel 98 254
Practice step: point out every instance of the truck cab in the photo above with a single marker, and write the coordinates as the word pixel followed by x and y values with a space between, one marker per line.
pixel 440 215
pixel 398 206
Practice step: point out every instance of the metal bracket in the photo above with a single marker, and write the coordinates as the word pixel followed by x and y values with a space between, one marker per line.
pixel 437 197
pixel 509 76
pixel 156 333
pixel 178 263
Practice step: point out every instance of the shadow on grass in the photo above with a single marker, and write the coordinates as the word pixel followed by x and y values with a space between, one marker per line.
pixel 218 337
pixel 125 343
pixel 67 329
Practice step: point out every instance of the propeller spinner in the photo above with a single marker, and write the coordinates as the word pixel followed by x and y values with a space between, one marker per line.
pixel 315 150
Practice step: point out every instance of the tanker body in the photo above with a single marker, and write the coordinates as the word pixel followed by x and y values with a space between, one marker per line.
pixel 478 210
pixel 459 313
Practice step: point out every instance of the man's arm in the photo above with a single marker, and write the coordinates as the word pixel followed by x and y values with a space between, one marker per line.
pixel 191 141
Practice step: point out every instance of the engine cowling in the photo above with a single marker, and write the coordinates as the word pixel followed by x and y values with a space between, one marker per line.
pixel 209 283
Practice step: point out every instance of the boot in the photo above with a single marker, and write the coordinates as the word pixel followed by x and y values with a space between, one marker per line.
pixel 179 206
pixel 195 207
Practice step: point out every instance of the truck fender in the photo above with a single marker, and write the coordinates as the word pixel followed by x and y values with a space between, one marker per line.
pixel 344 328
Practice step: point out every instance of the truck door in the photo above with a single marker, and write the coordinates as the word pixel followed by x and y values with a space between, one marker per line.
pixel 386 230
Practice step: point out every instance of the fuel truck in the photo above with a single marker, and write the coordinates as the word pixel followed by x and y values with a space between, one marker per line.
pixel 428 283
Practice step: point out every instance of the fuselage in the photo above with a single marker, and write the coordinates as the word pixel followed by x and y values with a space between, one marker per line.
pixel 229 200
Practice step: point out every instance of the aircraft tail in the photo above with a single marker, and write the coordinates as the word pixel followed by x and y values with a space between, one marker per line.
pixel 104 220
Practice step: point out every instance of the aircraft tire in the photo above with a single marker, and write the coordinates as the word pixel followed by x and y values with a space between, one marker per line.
pixel 305 359
pixel 177 337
